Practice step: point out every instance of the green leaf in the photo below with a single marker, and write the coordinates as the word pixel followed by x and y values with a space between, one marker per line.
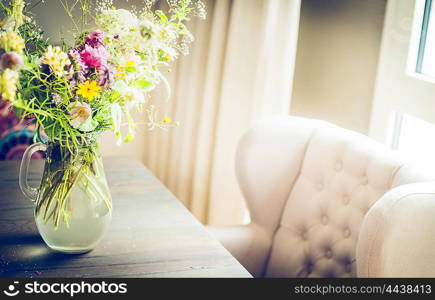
pixel 103 114
pixel 162 16
pixel 116 122
pixel 131 127
pixel 131 69
pixel 142 83
pixel 89 125
pixel 129 137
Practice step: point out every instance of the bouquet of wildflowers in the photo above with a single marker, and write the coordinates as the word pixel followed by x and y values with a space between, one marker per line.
pixel 75 92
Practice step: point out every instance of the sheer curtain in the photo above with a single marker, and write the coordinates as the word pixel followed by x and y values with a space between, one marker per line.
pixel 240 69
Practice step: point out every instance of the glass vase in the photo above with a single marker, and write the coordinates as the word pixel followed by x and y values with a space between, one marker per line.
pixel 73 206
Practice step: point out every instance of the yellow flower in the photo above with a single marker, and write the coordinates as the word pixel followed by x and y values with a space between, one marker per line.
pixel 56 59
pixel 130 63
pixel 10 41
pixel 130 66
pixel 17 12
pixel 167 120
pixel 120 73
pixel 89 90
pixel 8 85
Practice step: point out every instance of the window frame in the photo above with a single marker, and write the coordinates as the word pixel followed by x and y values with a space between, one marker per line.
pixel 418 40
pixel 423 36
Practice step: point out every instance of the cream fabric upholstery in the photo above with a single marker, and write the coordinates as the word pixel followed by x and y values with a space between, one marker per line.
pixel 311 189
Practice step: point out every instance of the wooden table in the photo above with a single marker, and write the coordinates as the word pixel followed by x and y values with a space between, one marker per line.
pixel 151 234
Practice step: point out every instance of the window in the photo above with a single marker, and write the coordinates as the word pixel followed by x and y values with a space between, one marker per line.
pixel 414 138
pixel 421 55
pixel 426 47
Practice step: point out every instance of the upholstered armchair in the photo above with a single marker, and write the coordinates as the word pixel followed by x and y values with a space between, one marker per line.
pixel 328 202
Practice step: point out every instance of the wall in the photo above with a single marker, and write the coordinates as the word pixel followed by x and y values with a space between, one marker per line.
pixel 337 58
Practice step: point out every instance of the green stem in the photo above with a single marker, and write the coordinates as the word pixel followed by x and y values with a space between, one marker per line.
pixel 98 190
pixel 64 171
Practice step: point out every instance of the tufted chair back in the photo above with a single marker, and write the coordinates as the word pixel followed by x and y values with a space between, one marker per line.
pixel 308 185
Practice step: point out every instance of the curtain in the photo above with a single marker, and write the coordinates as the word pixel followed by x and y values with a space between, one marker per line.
pixel 240 69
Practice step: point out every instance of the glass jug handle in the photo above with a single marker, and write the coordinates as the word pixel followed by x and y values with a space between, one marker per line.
pixel 28 191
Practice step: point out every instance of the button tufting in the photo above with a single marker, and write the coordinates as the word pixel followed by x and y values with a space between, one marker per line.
pixel 364 180
pixel 347 232
pixel 346 199
pixel 304 235
pixel 319 186
pixel 338 166
pixel 328 253
pixel 310 268
pixel 348 267
pixel 325 219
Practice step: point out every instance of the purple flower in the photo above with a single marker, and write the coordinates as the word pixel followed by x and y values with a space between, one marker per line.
pixel 56 99
pixel 106 76
pixel 75 57
pixel 11 60
pixel 95 38
pixel 77 70
pixel 94 57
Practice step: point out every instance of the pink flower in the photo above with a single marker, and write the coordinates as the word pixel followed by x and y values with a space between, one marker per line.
pixel 94 57
pixel 95 38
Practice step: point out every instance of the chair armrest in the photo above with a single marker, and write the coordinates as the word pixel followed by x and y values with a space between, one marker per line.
pixel 249 244
pixel 397 237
